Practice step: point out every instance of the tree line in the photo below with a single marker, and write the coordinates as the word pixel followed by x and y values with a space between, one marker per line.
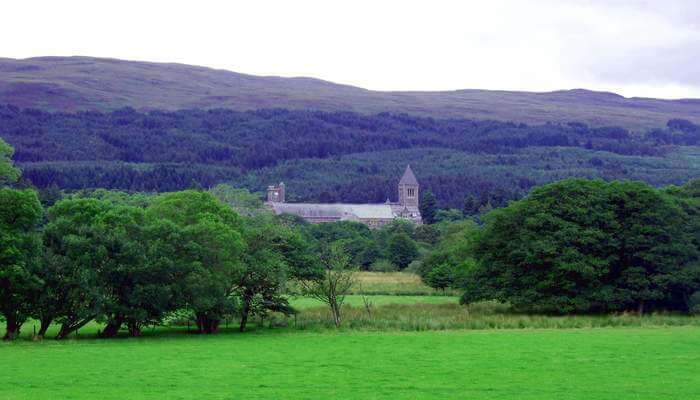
pixel 116 262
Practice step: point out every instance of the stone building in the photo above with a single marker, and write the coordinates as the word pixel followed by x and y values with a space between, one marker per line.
pixel 373 215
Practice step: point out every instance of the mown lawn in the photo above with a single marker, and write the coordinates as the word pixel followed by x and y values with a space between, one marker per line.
pixel 609 363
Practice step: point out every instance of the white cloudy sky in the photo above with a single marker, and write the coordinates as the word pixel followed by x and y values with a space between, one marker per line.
pixel 635 48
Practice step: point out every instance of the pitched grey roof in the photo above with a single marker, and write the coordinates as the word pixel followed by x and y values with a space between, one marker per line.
pixel 339 210
pixel 408 178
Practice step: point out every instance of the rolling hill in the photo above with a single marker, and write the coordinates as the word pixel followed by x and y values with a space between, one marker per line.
pixel 84 83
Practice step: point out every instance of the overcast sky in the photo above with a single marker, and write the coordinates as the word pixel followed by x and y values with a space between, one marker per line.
pixel 635 48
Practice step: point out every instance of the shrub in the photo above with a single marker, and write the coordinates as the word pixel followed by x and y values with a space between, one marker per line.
pixel 414 267
pixel 440 277
pixel 382 265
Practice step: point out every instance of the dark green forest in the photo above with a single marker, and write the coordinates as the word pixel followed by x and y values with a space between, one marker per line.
pixel 335 156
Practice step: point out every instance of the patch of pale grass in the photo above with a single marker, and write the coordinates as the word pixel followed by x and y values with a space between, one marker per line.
pixel 394 283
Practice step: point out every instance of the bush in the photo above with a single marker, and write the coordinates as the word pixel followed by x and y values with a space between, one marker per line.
pixel 382 265
pixel 440 277
pixel 414 267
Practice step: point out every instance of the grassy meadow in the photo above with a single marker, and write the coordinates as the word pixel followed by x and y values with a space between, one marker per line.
pixel 394 284
pixel 392 346
pixel 623 363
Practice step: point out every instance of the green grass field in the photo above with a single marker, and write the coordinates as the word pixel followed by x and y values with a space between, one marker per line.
pixel 620 363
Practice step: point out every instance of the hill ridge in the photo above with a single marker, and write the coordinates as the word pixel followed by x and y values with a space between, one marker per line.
pixel 75 83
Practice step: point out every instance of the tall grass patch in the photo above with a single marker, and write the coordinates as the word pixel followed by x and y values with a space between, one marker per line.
pixel 480 316
pixel 395 283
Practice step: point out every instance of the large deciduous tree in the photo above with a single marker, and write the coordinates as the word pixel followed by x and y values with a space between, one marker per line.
pixel 8 173
pixel 123 285
pixel 20 213
pixel 684 289
pixel 584 245
pixel 654 246
pixel 275 254
pixel 74 291
pixel 402 250
pixel 141 275
pixel 212 247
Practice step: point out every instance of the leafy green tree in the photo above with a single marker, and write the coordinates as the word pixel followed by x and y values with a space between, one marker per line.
pixel 8 173
pixel 382 237
pixel 141 272
pixel 20 213
pixel 688 198
pixel 47 303
pixel 429 234
pixel 111 261
pixel 363 251
pixel 440 277
pixel 73 265
pixel 119 231
pixel 402 250
pixel 452 255
pixel 583 245
pixel 212 247
pixel 356 238
pixel 112 225
pixel 654 247
pixel 275 255
pixel 399 226
pixel 448 215
pixel 116 197
pixel 336 279
pixel 428 207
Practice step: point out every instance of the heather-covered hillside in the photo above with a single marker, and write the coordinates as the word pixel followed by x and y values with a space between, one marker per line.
pixel 84 83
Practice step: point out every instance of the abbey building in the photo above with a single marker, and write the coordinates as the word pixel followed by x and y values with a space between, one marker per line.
pixel 373 215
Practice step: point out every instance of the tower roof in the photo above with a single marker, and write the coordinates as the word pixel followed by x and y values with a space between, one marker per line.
pixel 408 177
